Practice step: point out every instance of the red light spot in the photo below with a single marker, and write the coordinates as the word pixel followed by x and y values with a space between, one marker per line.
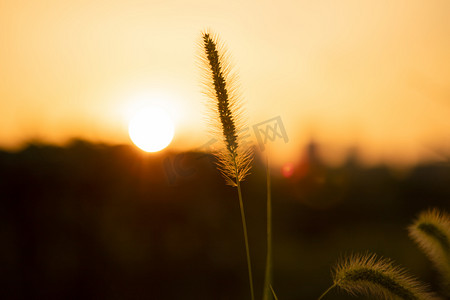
pixel 287 170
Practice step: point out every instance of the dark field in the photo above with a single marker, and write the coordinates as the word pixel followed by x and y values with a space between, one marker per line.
pixel 108 222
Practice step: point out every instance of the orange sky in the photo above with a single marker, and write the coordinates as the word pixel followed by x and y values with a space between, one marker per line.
pixel 375 74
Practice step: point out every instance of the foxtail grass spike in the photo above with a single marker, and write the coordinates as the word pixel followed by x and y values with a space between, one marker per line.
pixel 371 276
pixel 431 231
pixel 234 156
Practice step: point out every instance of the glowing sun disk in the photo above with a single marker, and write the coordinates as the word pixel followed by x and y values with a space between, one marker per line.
pixel 151 129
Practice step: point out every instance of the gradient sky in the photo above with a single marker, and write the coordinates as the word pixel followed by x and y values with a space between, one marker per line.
pixel 371 74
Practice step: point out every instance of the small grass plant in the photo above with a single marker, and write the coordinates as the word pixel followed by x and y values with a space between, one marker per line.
pixel 234 156
pixel 372 276
pixel 378 277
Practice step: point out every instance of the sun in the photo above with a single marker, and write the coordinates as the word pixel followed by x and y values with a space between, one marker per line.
pixel 151 129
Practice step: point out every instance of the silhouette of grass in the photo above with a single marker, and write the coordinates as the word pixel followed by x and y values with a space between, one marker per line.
pixel 234 160
pixel 225 110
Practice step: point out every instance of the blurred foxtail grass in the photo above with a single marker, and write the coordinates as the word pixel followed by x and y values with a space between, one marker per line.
pixel 431 231
pixel 366 275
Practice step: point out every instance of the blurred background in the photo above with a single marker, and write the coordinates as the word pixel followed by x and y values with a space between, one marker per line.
pixel 94 221
pixel 359 92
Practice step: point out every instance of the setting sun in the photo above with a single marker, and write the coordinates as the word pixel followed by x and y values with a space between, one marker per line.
pixel 151 129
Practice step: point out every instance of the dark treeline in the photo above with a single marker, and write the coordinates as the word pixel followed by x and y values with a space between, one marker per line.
pixel 92 221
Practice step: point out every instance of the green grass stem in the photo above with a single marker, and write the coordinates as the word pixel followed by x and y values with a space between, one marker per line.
pixel 268 275
pixel 247 248
pixel 326 292
pixel 273 293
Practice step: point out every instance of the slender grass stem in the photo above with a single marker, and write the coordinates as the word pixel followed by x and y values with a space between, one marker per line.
pixel 273 293
pixel 326 292
pixel 247 249
pixel 268 275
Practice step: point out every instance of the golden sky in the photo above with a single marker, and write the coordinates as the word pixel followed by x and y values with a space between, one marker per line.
pixel 375 74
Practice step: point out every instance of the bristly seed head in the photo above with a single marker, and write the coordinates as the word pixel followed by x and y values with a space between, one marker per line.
pixel 431 231
pixel 223 106
pixel 369 275
pixel 220 87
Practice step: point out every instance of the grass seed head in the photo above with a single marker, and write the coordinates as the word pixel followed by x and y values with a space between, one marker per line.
pixel 431 231
pixel 234 156
pixel 369 275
